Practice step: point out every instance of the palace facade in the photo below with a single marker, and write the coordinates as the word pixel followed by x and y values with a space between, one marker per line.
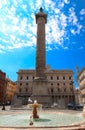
pixel 81 85
pixel 60 87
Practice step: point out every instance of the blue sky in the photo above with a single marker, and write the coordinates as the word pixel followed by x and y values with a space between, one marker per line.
pixel 65 34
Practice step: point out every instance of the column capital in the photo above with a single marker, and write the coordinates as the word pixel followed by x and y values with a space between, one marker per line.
pixel 41 14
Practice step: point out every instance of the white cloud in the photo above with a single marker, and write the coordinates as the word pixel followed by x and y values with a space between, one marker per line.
pixel 79 27
pixel 18 26
pixel 65 48
pixel 72 17
pixel 1 46
pixel 24 7
pixel 56 29
pixel 81 48
pixel 77 31
pixel 57 11
pixel 15 2
pixel 12 10
pixel 49 5
pixel 61 4
pixel 53 31
pixel 67 1
pixel 63 18
pixel 1 51
pixel 4 2
pixel 74 21
pixel 12 37
pixel 15 20
pixel 48 48
pixel 4 27
pixel 73 31
pixel 82 12
pixel 38 3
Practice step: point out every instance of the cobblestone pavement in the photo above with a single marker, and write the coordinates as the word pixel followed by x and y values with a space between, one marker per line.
pixel 9 111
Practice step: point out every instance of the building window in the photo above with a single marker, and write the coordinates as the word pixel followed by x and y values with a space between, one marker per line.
pixel 71 89
pixel 58 84
pixel 51 83
pixel 64 89
pixel 59 97
pixel 70 77
pixel 51 90
pixel 20 90
pixel 21 78
pixel 51 77
pixel 27 77
pixel 20 84
pixel 64 84
pixel 63 77
pixel 33 77
pixel 26 84
pixel 57 77
pixel 58 89
pixel 26 89
pixel 71 83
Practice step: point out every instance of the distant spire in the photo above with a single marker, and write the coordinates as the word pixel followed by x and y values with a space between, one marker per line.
pixel 77 70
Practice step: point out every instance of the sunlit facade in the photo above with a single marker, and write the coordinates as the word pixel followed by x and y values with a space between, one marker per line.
pixel 81 85
pixel 10 90
pixel 60 86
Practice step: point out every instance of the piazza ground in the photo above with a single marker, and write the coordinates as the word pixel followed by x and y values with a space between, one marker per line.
pixel 8 111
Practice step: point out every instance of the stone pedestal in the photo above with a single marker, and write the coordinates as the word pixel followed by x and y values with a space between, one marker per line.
pixel 40 92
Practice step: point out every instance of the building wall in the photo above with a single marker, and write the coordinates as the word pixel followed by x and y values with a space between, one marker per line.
pixel 25 80
pixel 60 81
pixel 10 90
pixel 2 86
pixel 60 85
pixel 81 85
